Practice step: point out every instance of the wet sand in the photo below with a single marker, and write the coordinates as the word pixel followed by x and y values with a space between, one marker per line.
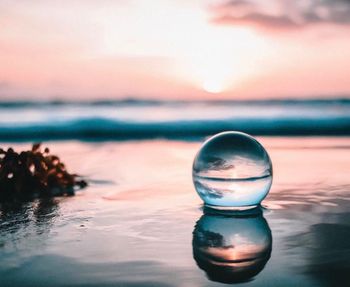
pixel 141 222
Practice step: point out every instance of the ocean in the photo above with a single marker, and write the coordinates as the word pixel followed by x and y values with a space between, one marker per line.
pixel 147 119
pixel 140 222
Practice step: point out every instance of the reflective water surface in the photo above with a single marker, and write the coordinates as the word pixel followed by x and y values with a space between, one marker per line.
pixel 232 249
pixel 141 222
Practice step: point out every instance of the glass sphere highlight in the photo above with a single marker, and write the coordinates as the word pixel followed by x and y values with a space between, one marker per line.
pixel 232 171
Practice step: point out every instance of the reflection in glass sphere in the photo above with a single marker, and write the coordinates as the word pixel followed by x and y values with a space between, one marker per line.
pixel 231 249
pixel 232 170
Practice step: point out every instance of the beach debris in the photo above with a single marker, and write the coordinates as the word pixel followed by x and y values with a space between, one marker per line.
pixel 35 173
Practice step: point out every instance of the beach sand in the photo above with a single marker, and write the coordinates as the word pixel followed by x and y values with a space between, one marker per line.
pixel 135 225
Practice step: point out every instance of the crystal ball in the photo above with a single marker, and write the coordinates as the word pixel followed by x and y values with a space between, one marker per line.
pixel 231 250
pixel 232 171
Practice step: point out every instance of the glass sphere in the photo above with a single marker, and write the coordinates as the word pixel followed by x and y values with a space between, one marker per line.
pixel 231 250
pixel 232 170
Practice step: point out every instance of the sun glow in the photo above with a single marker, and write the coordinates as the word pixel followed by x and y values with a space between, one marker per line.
pixel 213 87
pixel 203 55
pixel 220 58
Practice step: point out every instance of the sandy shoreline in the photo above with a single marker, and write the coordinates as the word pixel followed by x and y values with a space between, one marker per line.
pixel 133 227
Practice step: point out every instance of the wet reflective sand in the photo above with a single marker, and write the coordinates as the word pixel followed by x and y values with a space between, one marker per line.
pixel 232 249
pixel 141 223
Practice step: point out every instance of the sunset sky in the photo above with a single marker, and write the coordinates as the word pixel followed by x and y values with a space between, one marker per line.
pixel 174 49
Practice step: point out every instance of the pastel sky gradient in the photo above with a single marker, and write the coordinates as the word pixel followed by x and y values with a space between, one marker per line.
pixel 174 49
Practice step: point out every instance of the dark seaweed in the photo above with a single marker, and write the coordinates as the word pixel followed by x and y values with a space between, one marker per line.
pixel 35 173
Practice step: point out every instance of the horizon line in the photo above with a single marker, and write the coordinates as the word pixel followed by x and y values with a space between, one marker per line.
pixel 130 100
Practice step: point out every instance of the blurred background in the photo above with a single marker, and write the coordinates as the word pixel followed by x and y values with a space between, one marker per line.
pixel 129 69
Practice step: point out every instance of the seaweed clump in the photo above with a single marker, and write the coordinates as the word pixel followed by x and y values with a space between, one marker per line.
pixel 35 173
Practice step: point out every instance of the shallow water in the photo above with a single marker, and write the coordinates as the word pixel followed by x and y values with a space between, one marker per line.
pixel 141 222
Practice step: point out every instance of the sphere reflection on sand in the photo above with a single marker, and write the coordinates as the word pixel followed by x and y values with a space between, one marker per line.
pixel 231 249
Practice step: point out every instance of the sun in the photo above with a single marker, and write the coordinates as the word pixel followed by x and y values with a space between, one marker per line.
pixel 212 87
pixel 219 59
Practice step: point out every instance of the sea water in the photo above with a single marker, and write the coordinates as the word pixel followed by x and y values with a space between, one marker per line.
pixel 142 119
